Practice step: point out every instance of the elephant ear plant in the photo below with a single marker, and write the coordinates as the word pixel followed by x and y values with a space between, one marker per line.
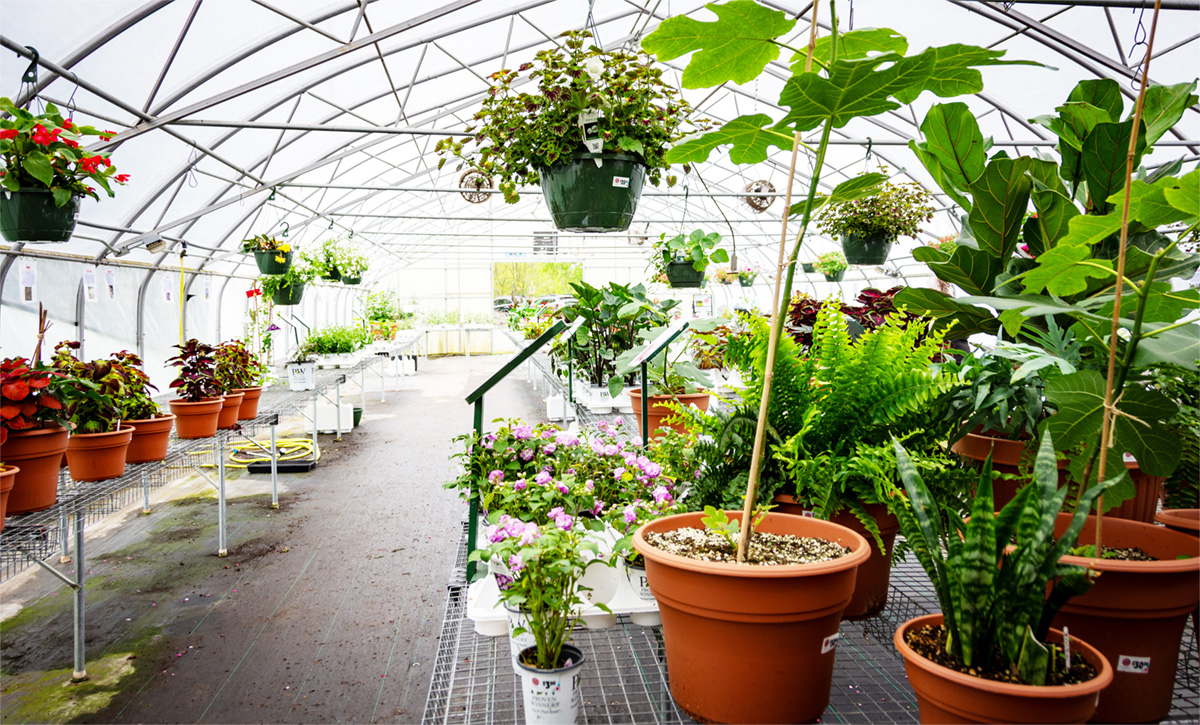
pixel 857 74
pixel 992 593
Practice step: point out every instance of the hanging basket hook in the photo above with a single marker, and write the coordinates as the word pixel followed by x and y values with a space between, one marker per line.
pixel 30 75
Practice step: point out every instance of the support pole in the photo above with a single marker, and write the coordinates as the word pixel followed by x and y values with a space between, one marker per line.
pixel 314 420
pixel 274 470
pixel 473 508
pixel 64 533
pixel 145 493
pixel 79 673
pixel 337 395
pixel 221 548
pixel 362 384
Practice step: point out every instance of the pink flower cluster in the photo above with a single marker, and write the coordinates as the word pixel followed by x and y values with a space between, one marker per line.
pixel 509 527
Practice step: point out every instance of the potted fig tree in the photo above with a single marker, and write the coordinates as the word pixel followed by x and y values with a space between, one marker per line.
pixel 593 126
pixel 869 225
pixel 47 173
pixel 199 405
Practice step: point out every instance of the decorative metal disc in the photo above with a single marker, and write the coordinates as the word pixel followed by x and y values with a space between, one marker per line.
pixel 756 202
pixel 472 180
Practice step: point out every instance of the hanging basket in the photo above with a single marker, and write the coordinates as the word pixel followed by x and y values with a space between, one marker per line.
pixel 30 216
pixel 866 249
pixel 836 276
pixel 683 274
pixel 347 279
pixel 268 261
pixel 288 295
pixel 584 197
pixel 332 275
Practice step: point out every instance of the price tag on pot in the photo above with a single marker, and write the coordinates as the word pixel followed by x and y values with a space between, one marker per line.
pixel 621 182
pixel 830 643
pixel 1134 665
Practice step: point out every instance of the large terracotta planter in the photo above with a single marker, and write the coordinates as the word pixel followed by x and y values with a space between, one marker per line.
pixel 948 696
pixel 1135 614
pixel 196 420
pixel 1144 502
pixel 751 644
pixel 8 477
pixel 38 454
pixel 1006 458
pixel 230 407
pixel 98 456
pixel 658 412
pixel 150 438
pixel 874 574
pixel 249 409
pixel 1185 521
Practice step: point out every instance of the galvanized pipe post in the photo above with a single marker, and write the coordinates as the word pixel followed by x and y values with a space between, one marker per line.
pixel 79 672
pixel 337 392
pixel 274 470
pixel 145 493
pixel 314 420
pixel 362 384
pixel 221 547
pixel 473 508
pixel 645 406
pixel 64 533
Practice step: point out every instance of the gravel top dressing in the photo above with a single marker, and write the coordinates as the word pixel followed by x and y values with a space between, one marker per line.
pixel 765 549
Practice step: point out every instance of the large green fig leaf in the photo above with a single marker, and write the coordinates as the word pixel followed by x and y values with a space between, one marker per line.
pixel 935 169
pixel 736 47
pixel 954 73
pixel 973 270
pixel 1187 197
pixel 958 319
pixel 854 89
pixel 1065 271
pixel 1180 346
pixel 852 44
pixel 1104 94
pixel 953 136
pixel 1105 152
pixel 1164 107
pixel 750 136
pixel 1001 198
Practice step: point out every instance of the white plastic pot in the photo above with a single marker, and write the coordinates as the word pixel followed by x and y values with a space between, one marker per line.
pixel 599 400
pixel 518 642
pixel 552 696
pixel 637 581
pixel 302 376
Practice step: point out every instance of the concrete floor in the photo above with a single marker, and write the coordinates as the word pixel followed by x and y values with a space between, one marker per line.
pixel 327 610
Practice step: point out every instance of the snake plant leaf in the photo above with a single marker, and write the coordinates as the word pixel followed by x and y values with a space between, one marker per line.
pixel 1137 427
pixel 959 320
pixel 1104 94
pixel 978 568
pixel 973 270
pixel 1065 271
pixel 751 137
pixel 935 169
pixel 1105 152
pixel 1187 197
pixel 736 47
pixel 928 520
pixel 854 89
pixel 953 136
pixel 1001 197
pixel 1033 660
pixel 851 45
pixel 1164 106
pixel 954 71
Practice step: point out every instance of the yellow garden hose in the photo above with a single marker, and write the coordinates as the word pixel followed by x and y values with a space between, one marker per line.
pixel 290 449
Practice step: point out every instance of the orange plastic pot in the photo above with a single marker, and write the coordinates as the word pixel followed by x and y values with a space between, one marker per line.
pixel 196 420
pixel 249 409
pixel 1006 458
pixel 38 454
pixel 230 407
pixel 98 456
pixel 8 478
pixel 875 574
pixel 949 696
pixel 1135 613
pixel 751 644
pixel 1145 499
pixel 1185 521
pixel 658 412
pixel 150 438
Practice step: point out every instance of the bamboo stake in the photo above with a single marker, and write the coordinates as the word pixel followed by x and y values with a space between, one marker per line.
pixel 1109 410
pixel 760 429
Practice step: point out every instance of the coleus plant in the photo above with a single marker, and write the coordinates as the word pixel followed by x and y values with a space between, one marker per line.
pixel 101 385
pixel 197 365
pixel 31 396
pixel 237 367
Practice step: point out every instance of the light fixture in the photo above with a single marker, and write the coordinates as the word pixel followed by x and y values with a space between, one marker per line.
pixel 155 244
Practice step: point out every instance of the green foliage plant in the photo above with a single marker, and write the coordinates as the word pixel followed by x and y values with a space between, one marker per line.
pixel 992 592
pixel 264 243
pixel 335 340
pixel 895 210
pixel 698 248
pixel 197 379
pixel 520 132
pixel 119 390
pixel 44 151
pixel 614 318
pixel 238 367
pixel 1181 489
pixel 671 371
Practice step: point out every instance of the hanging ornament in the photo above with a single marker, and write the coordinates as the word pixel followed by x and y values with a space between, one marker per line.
pixel 472 181
pixel 757 191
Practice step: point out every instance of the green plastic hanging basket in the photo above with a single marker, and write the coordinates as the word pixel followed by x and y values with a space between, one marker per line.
pixel 682 275
pixel 332 275
pixel 836 276
pixel 866 249
pixel 584 197
pixel 30 216
pixel 288 295
pixel 347 279
pixel 807 267
pixel 268 261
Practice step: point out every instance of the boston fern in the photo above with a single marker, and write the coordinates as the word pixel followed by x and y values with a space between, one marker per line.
pixel 992 593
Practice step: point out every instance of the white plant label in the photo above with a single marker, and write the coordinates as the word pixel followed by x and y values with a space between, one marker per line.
pixel 110 281
pixel 830 643
pixel 168 288
pixel 621 182
pixel 207 287
pixel 1067 647
pixel 1129 458
pixel 89 283
pixel 29 280
pixel 589 122
pixel 1134 665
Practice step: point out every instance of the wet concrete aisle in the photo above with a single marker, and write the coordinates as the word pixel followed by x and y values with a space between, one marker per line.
pixel 327 610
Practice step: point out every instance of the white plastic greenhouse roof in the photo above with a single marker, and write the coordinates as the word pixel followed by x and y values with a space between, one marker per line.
pixel 238 117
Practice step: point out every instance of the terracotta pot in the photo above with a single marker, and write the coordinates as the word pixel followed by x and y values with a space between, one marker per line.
pixel 196 420
pixel 783 620
pixel 658 412
pixel 875 574
pixel 230 407
pixel 949 696
pixel 1144 502
pixel 150 437
pixel 1185 521
pixel 8 477
pixel 1006 458
pixel 249 409
pixel 1135 614
pixel 98 456
pixel 37 453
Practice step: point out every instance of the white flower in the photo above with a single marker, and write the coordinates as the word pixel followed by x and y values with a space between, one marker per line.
pixel 594 67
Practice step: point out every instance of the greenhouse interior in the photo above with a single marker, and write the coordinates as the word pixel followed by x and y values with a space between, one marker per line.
pixel 582 361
